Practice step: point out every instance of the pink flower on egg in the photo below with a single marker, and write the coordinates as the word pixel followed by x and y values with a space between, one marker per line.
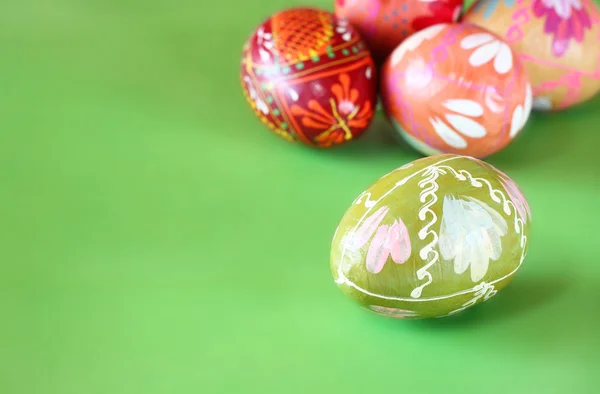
pixel 565 20
pixel 389 240
pixel 517 197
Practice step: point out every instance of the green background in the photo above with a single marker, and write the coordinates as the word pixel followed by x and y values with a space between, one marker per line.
pixel 156 238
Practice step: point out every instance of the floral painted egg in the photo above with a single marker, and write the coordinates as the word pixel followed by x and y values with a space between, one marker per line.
pixel 386 23
pixel 557 40
pixel 310 77
pixel 431 238
pixel 454 88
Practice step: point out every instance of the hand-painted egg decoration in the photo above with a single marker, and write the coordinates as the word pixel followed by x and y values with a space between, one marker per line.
pixel 455 88
pixel 557 40
pixel 310 77
pixel 431 238
pixel 384 24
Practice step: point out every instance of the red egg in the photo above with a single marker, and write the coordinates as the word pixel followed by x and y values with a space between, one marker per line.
pixel 310 77
pixel 384 24
pixel 458 89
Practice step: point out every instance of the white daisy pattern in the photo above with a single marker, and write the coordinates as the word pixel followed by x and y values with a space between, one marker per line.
pixel 459 122
pixel 521 114
pixel 413 41
pixel 471 235
pixel 488 48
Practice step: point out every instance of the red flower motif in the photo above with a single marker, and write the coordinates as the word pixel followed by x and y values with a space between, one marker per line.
pixel 344 115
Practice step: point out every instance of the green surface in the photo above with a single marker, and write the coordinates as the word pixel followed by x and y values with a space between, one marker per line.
pixel 157 239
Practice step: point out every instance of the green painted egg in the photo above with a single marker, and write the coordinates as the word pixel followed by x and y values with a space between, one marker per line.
pixel 432 238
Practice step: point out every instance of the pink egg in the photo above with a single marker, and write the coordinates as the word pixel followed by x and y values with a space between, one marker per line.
pixel 456 88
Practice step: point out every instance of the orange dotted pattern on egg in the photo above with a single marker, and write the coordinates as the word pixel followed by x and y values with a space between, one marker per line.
pixel 299 36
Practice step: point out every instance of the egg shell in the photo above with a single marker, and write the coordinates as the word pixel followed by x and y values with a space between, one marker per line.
pixel 384 24
pixel 454 88
pixel 310 77
pixel 432 238
pixel 558 42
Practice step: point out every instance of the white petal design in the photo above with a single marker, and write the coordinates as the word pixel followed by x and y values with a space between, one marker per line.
pixel 479 266
pixel 293 94
pixel 466 126
pixel 484 53
pixel 521 113
pixel 488 48
pixel 527 110
pixel 415 143
pixel 264 55
pixel 347 36
pixel 450 136
pixel 504 59
pixel 464 107
pixel 493 100
pixel 471 234
pixel 475 40
pixel 413 41
pixel 515 124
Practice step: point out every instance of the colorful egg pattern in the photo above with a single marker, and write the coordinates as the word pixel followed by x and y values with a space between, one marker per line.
pixel 309 77
pixel 384 24
pixel 431 238
pixel 557 40
pixel 455 88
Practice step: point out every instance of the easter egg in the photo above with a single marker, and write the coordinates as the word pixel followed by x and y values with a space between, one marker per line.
pixel 557 40
pixel 454 88
pixel 309 77
pixel 384 24
pixel 432 238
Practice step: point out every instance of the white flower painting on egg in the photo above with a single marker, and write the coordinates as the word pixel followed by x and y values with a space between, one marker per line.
pixel 388 240
pixel 413 42
pixel 488 48
pixel 470 235
pixel 459 122
pixel 521 113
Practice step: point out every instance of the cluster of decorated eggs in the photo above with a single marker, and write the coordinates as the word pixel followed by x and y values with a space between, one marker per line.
pixel 449 81
pixel 447 231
